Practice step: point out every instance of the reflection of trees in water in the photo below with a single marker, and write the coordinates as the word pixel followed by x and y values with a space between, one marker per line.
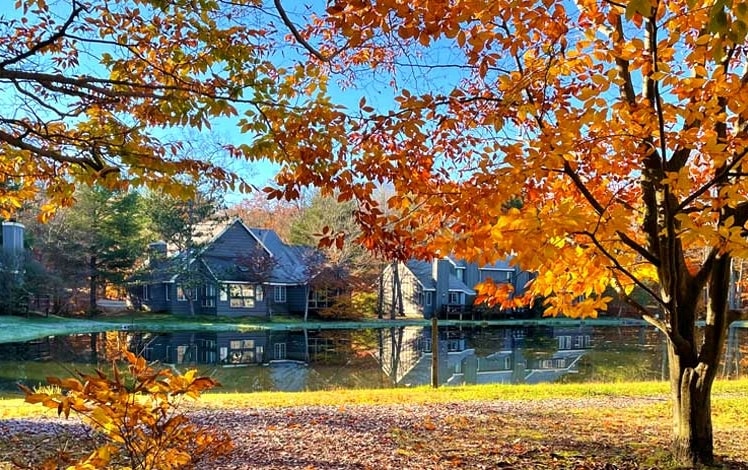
pixel 630 353
pixel 342 346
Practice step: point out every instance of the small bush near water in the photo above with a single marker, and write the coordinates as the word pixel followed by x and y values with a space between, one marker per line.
pixel 135 417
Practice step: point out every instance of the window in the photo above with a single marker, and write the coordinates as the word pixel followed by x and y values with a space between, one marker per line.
pixel 259 293
pixel 460 273
pixel 497 275
pixel 320 298
pixel 241 296
pixel 146 292
pixel 582 341
pixel 184 294
pixel 209 295
pixel 279 351
pixel 167 291
pixel 454 298
pixel 224 295
pixel 564 342
pixel 429 298
pixel 279 294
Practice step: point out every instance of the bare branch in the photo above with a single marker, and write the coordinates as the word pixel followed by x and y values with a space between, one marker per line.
pixel 41 45
pixel 295 32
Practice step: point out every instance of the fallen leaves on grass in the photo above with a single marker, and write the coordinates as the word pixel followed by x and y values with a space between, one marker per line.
pixel 600 433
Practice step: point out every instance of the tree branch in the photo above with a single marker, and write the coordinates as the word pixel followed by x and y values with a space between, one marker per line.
pixel 47 42
pixel 295 32
pixel 617 264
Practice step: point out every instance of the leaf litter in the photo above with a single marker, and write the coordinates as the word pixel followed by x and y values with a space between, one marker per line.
pixel 596 433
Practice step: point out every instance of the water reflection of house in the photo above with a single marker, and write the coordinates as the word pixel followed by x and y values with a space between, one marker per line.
pixel 515 359
pixel 227 348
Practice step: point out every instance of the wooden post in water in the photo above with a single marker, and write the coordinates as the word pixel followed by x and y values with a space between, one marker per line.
pixel 434 352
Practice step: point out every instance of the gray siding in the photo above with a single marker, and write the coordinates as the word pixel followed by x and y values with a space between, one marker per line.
pixel 442 270
pixel 410 288
pixel 233 243
pixel 296 298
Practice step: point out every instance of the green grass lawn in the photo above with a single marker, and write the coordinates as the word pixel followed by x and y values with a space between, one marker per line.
pixel 728 395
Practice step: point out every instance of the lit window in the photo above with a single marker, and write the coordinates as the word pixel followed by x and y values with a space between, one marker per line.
pixel 184 294
pixel 241 296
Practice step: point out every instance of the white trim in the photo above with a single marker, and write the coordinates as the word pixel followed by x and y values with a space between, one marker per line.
pixel 13 224
pixel 467 292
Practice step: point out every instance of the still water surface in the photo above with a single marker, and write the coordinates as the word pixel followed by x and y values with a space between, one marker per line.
pixel 297 360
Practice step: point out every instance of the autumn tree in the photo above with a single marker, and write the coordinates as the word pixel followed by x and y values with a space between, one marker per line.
pixel 620 126
pixel 348 267
pixel 326 215
pixel 259 211
pixel 98 91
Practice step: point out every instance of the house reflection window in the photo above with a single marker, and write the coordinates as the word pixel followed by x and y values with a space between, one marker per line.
pixel 564 342
pixel 241 352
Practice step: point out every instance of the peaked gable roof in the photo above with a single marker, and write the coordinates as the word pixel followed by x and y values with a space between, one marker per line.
pixel 422 270
pixel 228 244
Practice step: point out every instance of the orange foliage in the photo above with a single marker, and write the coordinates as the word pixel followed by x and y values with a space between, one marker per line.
pixel 561 107
pixel 137 413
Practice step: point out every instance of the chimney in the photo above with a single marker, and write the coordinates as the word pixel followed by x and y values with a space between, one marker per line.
pixel 13 239
pixel 157 251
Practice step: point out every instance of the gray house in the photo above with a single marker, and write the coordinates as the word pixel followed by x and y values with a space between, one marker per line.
pixel 443 285
pixel 241 271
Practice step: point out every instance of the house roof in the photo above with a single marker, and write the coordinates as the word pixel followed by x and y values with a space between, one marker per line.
pixel 290 266
pixel 459 286
pixel 423 272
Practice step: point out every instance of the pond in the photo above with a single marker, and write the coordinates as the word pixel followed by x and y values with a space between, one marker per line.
pixel 319 359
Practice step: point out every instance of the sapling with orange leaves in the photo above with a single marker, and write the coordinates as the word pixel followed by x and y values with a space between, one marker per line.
pixel 137 413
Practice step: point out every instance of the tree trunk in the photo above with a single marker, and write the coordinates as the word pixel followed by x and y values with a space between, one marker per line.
pixel 93 281
pixel 396 291
pixel 307 291
pixel 692 412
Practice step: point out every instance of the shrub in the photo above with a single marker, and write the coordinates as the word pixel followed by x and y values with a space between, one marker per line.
pixel 137 413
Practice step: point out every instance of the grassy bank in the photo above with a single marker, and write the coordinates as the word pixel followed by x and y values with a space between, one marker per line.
pixel 733 392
